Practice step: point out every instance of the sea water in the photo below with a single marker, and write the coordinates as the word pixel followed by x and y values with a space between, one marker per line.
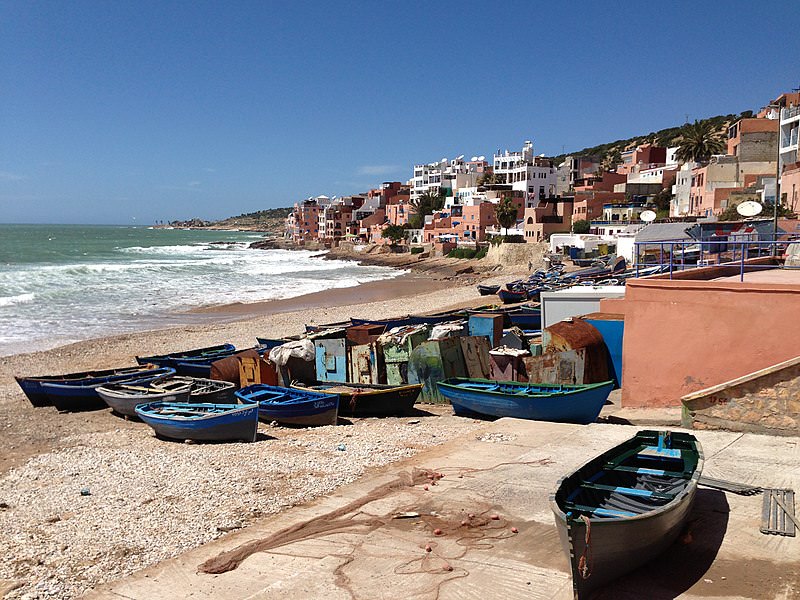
pixel 65 283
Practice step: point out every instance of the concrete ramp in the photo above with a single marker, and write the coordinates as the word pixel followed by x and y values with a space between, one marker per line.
pixel 485 530
pixel 766 401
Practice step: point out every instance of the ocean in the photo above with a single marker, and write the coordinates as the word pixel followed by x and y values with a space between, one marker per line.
pixel 65 283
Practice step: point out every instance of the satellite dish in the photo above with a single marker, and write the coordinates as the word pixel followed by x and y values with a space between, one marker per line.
pixel 749 208
pixel 460 157
pixel 481 158
pixel 473 159
pixel 647 216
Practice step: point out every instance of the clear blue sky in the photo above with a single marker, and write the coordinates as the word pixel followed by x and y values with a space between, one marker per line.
pixel 115 111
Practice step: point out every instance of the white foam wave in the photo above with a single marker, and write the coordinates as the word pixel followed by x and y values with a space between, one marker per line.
pixel 18 299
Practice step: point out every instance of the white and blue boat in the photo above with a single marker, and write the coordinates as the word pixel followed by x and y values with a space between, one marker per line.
pixel 289 406
pixel 201 422
pixel 579 403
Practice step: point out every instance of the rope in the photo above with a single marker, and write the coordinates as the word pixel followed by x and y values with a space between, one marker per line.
pixel 586 560
pixel 354 399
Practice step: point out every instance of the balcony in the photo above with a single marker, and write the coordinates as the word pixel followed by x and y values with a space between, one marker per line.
pixel 790 113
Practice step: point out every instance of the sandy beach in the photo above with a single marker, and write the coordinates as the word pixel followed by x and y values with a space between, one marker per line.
pixel 146 500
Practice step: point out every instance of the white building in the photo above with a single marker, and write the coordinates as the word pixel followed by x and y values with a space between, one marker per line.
pixel 789 131
pixel 527 173
pixel 681 190
pixel 447 175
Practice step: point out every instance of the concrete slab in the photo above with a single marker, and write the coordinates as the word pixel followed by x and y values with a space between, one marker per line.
pixel 349 545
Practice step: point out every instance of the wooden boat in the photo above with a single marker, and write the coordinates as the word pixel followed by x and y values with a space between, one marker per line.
pixel 488 290
pixel 626 506
pixel 122 398
pixel 210 391
pixel 201 421
pixel 512 296
pixel 32 386
pixel 172 359
pixel 290 406
pixel 580 403
pixel 77 395
pixel 370 399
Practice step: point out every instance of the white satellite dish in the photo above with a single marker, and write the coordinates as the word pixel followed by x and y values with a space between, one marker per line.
pixel 460 157
pixel 749 208
pixel 647 216
pixel 481 158
pixel 473 159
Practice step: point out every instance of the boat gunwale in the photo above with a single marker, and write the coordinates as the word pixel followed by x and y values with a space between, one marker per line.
pixel 675 503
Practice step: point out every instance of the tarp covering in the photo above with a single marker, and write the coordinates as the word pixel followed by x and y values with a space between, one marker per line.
pixel 302 349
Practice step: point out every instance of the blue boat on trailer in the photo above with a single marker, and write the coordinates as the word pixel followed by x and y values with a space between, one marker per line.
pixel 626 506
pixel 201 422
pixel 289 406
pixel 578 403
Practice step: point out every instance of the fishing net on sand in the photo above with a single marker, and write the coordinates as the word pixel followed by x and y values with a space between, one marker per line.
pixel 422 536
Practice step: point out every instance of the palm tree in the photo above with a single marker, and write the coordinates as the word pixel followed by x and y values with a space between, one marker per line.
pixel 506 213
pixel 698 141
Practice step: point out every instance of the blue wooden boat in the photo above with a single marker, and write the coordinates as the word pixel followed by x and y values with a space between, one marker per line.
pixel 290 406
pixel 512 296
pixel 202 354
pixel 626 506
pixel 200 367
pixel 580 403
pixel 485 289
pixel 201 421
pixel 41 390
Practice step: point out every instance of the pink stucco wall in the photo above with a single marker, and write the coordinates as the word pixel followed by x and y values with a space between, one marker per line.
pixel 683 336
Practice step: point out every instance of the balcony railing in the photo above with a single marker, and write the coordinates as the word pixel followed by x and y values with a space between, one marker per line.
pixel 788 113
pixel 674 256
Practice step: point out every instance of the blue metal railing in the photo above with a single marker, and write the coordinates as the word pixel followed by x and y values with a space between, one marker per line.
pixel 680 255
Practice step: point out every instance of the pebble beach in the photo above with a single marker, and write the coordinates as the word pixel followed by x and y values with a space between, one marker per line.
pixel 89 497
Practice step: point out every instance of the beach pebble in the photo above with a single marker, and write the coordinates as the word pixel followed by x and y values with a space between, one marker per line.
pixel 341 447
pixel 85 492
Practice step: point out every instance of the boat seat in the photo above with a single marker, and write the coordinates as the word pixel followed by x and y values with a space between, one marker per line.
pixel 646 471
pixel 627 491
pixel 600 512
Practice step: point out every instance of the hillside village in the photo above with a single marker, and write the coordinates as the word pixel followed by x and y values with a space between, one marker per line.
pixel 713 166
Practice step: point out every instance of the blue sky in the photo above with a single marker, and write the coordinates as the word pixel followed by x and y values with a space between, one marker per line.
pixel 122 112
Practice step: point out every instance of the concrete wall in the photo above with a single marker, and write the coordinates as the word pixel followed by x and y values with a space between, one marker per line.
pixel 684 336
pixel 767 401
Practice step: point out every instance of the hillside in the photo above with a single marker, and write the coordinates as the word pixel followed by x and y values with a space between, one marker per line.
pixel 270 220
pixel 664 137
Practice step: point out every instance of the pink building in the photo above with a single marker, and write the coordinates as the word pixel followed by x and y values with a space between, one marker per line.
pixel 464 223
pixel 644 156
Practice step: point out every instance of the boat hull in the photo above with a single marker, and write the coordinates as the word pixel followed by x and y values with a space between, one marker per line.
pixel 123 400
pixel 239 423
pixel 619 544
pixel 289 406
pixel 511 297
pixel 365 400
pixel 33 388
pixel 539 402
pixel 75 397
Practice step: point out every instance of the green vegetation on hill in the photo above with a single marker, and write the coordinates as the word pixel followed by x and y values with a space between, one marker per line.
pixel 664 137
pixel 271 219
